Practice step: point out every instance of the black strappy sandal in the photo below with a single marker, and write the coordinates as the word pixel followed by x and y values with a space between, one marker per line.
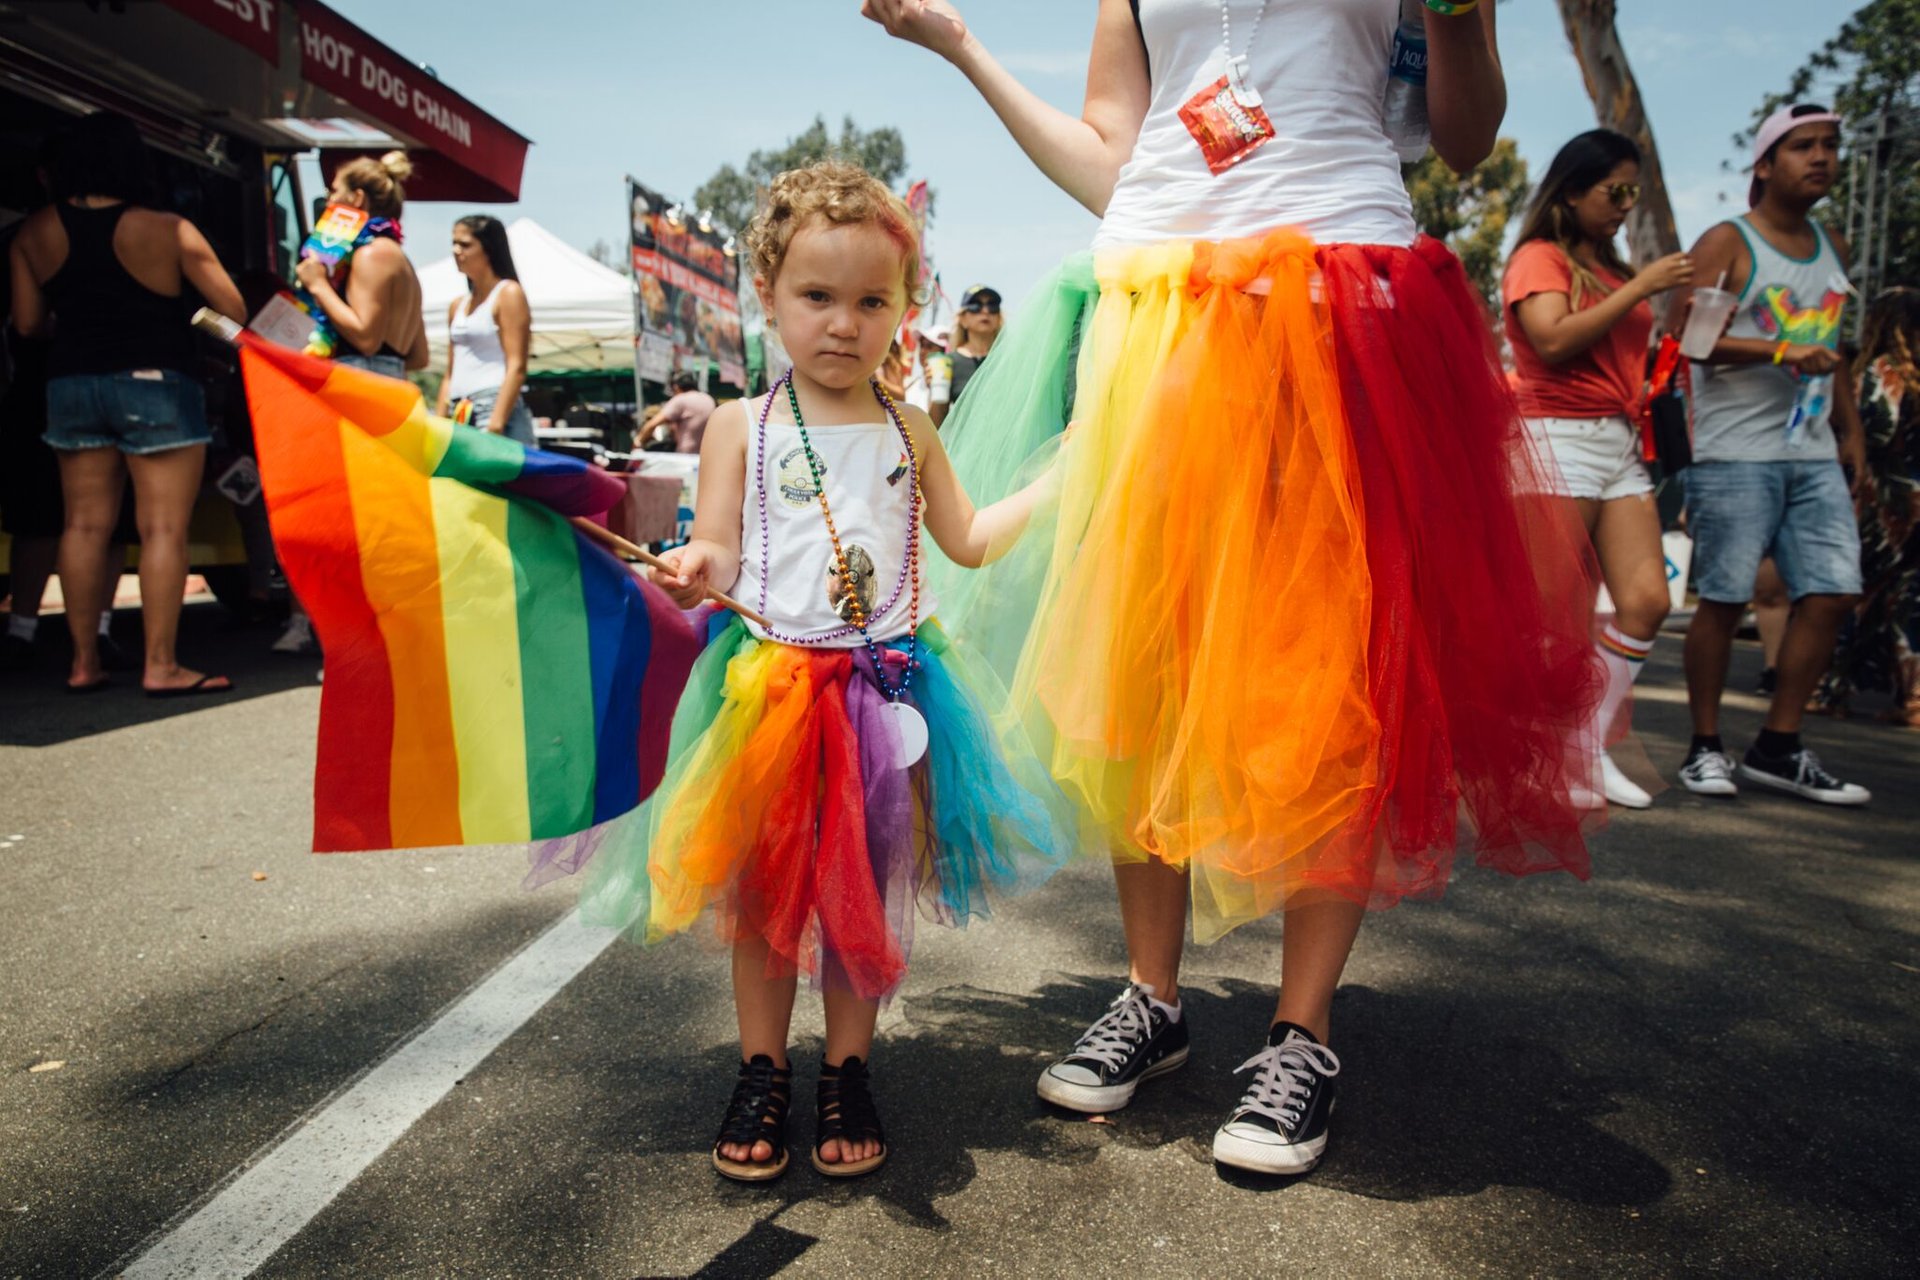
pixel 756 1113
pixel 845 1101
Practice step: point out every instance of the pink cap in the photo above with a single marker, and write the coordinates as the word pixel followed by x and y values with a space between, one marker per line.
pixel 1783 122
pixel 1779 125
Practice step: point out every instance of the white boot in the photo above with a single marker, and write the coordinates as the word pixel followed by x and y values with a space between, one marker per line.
pixel 1621 789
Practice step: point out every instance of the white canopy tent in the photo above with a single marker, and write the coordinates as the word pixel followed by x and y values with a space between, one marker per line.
pixel 582 311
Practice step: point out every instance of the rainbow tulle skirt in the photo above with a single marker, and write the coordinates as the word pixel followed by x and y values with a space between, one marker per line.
pixel 785 814
pixel 1302 617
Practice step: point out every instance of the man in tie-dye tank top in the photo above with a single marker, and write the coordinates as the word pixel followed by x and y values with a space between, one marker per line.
pixel 1775 435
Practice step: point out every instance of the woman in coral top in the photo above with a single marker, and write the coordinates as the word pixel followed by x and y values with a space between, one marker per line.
pixel 1579 323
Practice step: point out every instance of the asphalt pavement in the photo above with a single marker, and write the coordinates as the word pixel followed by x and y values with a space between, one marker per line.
pixel 1700 1062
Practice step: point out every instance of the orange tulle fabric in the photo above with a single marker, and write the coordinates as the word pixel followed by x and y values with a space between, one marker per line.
pixel 1293 615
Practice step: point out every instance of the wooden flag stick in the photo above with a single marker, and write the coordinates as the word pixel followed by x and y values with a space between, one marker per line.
pixel 620 546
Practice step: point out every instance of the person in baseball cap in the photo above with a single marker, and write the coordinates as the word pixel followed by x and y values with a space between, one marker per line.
pixel 975 330
pixel 1776 444
pixel 1774 130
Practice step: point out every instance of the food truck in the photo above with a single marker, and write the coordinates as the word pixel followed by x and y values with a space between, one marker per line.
pixel 228 94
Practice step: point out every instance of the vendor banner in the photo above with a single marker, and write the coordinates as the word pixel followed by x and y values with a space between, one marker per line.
pixel 686 288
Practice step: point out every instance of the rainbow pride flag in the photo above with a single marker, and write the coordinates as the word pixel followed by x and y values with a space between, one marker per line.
pixel 492 675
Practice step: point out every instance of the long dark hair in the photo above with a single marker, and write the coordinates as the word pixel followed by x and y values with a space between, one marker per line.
pixel 102 155
pixel 1892 332
pixel 1582 164
pixel 492 235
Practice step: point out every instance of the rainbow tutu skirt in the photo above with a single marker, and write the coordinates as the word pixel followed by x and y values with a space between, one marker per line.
pixel 1302 617
pixel 786 815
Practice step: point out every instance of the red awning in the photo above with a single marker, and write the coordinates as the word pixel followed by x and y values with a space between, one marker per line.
pixel 469 154
pixel 329 69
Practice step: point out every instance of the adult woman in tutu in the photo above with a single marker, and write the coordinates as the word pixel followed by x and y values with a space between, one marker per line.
pixel 1282 628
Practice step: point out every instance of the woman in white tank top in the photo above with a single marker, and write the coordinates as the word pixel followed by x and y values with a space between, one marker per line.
pixel 488 334
pixel 1285 627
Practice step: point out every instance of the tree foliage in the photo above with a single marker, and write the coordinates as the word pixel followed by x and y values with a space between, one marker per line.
pixel 1871 65
pixel 1471 212
pixel 732 194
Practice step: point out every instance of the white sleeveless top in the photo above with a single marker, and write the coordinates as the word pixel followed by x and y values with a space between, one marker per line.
pixel 479 361
pixel 1321 68
pixel 865 468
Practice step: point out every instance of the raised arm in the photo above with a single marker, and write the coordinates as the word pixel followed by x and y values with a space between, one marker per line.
pixel 361 320
pixel 1466 89
pixel 1082 157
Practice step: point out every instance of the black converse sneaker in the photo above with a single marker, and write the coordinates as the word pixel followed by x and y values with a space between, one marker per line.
pixel 1708 773
pixel 1800 773
pixel 1131 1042
pixel 1280 1125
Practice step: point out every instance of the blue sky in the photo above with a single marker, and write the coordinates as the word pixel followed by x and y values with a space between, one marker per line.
pixel 667 92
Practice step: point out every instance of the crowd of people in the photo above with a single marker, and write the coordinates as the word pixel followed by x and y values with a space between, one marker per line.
pixel 1275 596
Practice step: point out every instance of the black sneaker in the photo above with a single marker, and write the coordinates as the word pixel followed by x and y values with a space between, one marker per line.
pixel 1280 1125
pixel 1708 772
pixel 1769 677
pixel 1131 1042
pixel 1799 773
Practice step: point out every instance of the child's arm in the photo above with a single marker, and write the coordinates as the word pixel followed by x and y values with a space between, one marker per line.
pixel 971 537
pixel 711 559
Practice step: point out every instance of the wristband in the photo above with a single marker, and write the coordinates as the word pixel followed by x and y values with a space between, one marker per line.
pixel 1780 353
pixel 1452 8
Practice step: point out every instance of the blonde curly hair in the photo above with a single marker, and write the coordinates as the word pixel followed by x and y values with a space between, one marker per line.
pixel 838 193
pixel 380 180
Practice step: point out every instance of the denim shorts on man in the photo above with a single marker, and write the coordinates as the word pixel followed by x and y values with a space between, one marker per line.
pixel 139 411
pixel 1800 513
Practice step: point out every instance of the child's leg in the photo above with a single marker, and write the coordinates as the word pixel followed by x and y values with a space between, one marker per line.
pixel 850 1022
pixel 764 1007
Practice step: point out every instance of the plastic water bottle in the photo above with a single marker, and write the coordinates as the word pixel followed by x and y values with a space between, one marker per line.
pixel 1405 113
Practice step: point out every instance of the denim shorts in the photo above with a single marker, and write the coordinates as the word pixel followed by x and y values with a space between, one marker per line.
pixel 519 425
pixel 384 365
pixel 1800 513
pixel 140 411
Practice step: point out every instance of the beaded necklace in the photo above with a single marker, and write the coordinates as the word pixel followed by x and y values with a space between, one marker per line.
pixel 910 569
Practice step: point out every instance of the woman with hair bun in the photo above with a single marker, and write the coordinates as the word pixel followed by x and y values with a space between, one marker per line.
pixel 372 298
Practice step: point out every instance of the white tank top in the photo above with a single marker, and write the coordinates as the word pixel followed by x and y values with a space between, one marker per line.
pixel 1321 68
pixel 865 468
pixel 479 361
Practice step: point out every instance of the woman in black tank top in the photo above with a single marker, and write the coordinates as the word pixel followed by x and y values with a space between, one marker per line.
pixel 105 279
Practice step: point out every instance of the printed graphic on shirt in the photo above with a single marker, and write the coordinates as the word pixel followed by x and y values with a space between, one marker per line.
pixel 795 479
pixel 1781 316
pixel 860 566
pixel 899 470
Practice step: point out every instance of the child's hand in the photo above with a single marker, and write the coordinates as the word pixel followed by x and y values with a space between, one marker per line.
pixel 688 584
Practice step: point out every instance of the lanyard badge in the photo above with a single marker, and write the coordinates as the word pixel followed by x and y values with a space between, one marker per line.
pixel 1226 117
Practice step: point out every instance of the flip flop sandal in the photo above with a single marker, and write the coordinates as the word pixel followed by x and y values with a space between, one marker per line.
pixel 756 1113
pixel 200 686
pixel 846 1112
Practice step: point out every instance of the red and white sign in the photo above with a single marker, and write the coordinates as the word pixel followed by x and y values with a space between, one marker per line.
pixel 351 65
pixel 680 276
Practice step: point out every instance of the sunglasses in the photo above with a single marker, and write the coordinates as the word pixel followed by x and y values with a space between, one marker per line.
pixel 1624 193
pixel 991 308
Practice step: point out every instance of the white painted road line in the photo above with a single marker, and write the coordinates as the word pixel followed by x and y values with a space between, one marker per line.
pixel 290 1180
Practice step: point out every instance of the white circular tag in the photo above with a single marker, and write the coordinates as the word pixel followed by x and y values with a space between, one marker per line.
pixel 913 732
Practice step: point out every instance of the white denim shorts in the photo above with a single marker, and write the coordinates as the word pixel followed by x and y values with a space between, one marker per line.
pixel 1595 457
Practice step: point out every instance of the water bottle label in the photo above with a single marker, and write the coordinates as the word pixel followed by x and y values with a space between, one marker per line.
pixel 1409 60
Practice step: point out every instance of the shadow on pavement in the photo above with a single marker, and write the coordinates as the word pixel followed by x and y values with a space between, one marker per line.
pixel 36 710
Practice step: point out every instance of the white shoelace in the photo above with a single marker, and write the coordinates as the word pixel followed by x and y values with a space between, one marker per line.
pixel 1283 1079
pixel 1810 772
pixel 1711 766
pixel 1127 1021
